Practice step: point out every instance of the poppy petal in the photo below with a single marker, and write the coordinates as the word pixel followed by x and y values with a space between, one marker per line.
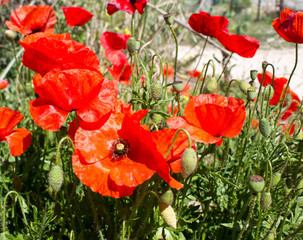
pixel 123 5
pixel 18 140
pixel 76 16
pixel 9 120
pixel 114 41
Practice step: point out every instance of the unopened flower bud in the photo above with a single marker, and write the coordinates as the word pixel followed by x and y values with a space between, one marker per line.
pixel 168 214
pixel 55 178
pixel 276 178
pixel 133 45
pixel 10 35
pixel 178 86
pixel 189 162
pixel 268 92
pixel 212 85
pixel 167 197
pixel 253 74
pixel 243 85
pixel 265 200
pixel 256 183
pixel 251 93
pixel 168 19
pixel 264 127
pixel 157 118
pixel 156 90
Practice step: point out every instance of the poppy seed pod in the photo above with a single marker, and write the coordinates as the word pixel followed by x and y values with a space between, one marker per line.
pixel 167 197
pixel 168 214
pixel 10 35
pixel 268 92
pixel 178 86
pixel 189 162
pixel 244 86
pixel 212 85
pixel 264 127
pixel 276 178
pixel 265 200
pixel 253 74
pixel 256 183
pixel 55 178
pixel 264 65
pixel 251 93
pixel 133 45
pixel 156 118
pixel 156 90
pixel 168 19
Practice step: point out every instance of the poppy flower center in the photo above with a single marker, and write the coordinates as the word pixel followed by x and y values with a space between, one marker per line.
pixel 120 148
pixel 132 2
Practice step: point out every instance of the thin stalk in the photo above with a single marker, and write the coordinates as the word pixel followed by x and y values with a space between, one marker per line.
pixel 58 159
pixel 225 65
pixel 176 56
pixel 229 85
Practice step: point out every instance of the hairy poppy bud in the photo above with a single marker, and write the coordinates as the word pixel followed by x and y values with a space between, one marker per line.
pixel 189 162
pixel 168 214
pixel 156 117
pixel 178 86
pixel 55 178
pixel 167 197
pixel 133 45
pixel 265 200
pixel 253 74
pixel 168 19
pixel 156 90
pixel 268 92
pixel 251 93
pixel 256 183
pixel 276 177
pixel 212 85
pixel 264 127
pixel 243 85
pixel 10 35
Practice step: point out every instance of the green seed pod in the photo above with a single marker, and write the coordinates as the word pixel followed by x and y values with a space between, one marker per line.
pixel 243 85
pixel 253 74
pixel 10 35
pixel 178 86
pixel 133 45
pixel 167 197
pixel 251 93
pixel 265 200
pixel 268 92
pixel 212 85
pixel 256 183
pixel 156 118
pixel 189 162
pixel 264 127
pixel 156 90
pixel 168 214
pixel 264 65
pixel 276 177
pixel 168 19
pixel 55 178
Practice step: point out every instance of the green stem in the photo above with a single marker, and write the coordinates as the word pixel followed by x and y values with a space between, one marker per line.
pixel 133 25
pixel 225 65
pixel 229 85
pixel 176 56
pixel 58 159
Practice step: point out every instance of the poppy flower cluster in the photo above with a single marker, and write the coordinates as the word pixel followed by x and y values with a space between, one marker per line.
pixel 129 6
pixel 76 16
pixel 216 26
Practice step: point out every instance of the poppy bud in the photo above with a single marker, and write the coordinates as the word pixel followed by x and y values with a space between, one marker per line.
pixel 55 178
pixel 178 86
pixel 264 127
pixel 10 35
pixel 156 90
pixel 167 197
pixel 168 19
pixel 268 92
pixel 17 184
pixel 276 178
pixel 168 214
pixel 133 45
pixel 251 93
pixel 265 200
pixel 253 74
pixel 212 85
pixel 156 117
pixel 243 85
pixel 189 162
pixel 256 183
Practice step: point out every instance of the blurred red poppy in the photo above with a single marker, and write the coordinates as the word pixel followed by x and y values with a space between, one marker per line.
pixel 244 46
pixel 287 129
pixel 290 25
pixel 168 70
pixel 208 117
pixel 121 155
pixel 64 91
pixel 44 52
pixel 3 84
pixel 18 139
pixel 206 24
pixel 31 19
pixel 114 41
pixel 3 2
pixel 129 6
pixel 254 124
pixel 195 74
pixel 76 16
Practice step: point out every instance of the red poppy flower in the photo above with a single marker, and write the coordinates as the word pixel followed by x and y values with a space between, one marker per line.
pixel 244 46
pixel 129 6
pixel 3 2
pixel 206 24
pixel 3 84
pixel 79 90
pixel 114 41
pixel 294 106
pixel 290 25
pixel 208 117
pixel 195 74
pixel 121 155
pixel 168 70
pixel 279 86
pixel 254 124
pixel 18 139
pixel 46 52
pixel 31 19
pixel 76 16
pixel 286 128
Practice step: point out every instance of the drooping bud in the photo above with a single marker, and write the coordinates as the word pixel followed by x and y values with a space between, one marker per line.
pixel 244 86
pixel 253 74
pixel 212 85
pixel 157 118
pixel 168 214
pixel 268 92
pixel 256 183
pixel 264 127
pixel 178 86
pixel 167 197
pixel 276 178
pixel 168 19
pixel 189 162
pixel 265 200
pixel 133 45
pixel 156 90
pixel 251 93
pixel 55 178
pixel 10 35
